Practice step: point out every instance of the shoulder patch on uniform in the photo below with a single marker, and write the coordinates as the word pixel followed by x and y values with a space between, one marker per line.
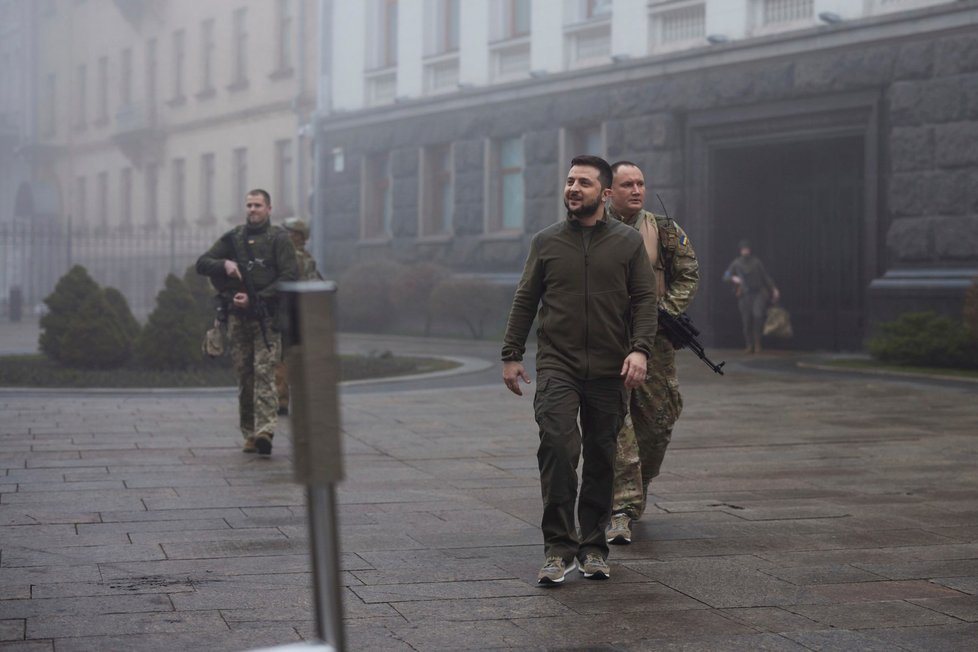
pixel 683 240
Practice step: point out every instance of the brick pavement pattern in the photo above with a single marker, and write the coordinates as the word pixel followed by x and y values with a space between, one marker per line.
pixel 796 511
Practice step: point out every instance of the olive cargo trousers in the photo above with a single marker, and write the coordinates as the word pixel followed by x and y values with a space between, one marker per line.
pixel 601 404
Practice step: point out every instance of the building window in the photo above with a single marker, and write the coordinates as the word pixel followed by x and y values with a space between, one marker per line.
pixel 516 18
pixel 588 34
pixel 283 38
pixel 377 197
pixel 785 11
pixel 509 49
pixel 206 59
pixel 81 96
pixel 179 190
pixel 240 185
pixel 769 16
pixel 49 107
pixel 152 195
pixel 506 194
pixel 179 63
pixel 207 172
pixel 388 31
pixel 582 140
pixel 674 28
pixel 125 197
pixel 103 91
pixel 81 201
pixel 284 181
pixel 125 77
pixel 597 8
pixel 239 77
pixel 441 65
pixel 437 191
pixel 103 200
pixel 152 66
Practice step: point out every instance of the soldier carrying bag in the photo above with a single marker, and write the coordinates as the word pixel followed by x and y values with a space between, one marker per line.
pixel 777 323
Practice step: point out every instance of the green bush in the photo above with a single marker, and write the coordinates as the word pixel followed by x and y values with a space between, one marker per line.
pixel 970 308
pixel 95 337
pixel 120 309
pixel 73 290
pixel 472 301
pixel 203 293
pixel 925 339
pixel 364 296
pixel 172 335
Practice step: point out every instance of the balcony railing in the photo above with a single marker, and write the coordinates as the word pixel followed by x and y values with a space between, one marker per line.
pixel 510 59
pixel 381 86
pixel 588 43
pixel 441 73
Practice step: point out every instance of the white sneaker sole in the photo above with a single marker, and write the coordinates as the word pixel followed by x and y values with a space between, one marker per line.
pixel 568 569
pixel 619 540
pixel 597 575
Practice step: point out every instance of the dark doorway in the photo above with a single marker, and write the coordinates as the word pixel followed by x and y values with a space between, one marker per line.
pixel 801 206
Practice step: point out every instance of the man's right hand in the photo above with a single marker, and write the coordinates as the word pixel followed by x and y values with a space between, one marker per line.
pixel 231 269
pixel 513 371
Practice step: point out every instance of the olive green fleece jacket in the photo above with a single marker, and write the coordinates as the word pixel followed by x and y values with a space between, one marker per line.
pixel 597 300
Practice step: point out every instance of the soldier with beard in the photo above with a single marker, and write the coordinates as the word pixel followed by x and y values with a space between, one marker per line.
pixel 590 277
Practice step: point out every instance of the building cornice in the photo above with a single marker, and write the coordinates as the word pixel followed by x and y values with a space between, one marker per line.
pixel 942 19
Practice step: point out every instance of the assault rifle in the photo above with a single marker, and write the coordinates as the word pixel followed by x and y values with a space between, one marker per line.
pixel 681 332
pixel 255 302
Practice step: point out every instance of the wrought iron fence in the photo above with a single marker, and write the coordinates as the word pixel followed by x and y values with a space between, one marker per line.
pixel 33 256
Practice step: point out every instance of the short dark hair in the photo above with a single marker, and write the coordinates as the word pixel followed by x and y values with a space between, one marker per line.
pixel 622 164
pixel 263 193
pixel 599 164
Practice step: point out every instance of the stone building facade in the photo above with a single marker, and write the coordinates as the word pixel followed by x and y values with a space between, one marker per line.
pixel 150 120
pixel 846 150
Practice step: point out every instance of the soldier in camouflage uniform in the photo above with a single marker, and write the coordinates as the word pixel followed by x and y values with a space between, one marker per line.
pixel 262 253
pixel 755 291
pixel 656 405
pixel 298 234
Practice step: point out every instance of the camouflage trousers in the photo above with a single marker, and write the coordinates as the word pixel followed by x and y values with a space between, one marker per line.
pixel 653 408
pixel 254 364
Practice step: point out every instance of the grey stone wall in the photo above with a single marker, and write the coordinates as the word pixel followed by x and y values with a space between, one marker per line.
pixel 927 174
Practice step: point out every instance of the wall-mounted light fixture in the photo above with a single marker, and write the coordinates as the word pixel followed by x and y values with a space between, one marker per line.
pixel 830 18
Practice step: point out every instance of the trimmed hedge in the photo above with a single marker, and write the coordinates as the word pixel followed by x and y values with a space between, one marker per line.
pixel 925 339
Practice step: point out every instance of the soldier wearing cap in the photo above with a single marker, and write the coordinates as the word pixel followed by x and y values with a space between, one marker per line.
pixel 298 233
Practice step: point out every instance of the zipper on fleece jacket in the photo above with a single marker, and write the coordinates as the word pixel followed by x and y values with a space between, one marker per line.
pixel 585 246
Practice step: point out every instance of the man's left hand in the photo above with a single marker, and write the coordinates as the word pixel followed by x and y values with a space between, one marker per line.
pixel 241 300
pixel 634 369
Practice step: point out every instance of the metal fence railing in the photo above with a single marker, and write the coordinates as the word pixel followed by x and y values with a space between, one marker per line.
pixel 135 261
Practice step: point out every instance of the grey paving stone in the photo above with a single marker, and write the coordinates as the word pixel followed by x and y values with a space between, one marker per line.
pixel 12 630
pixel 772 619
pixel 120 587
pixel 44 608
pixel 205 535
pixel 872 615
pixel 876 591
pixel 117 516
pixel 748 643
pixel 667 625
pixel 443 591
pixel 226 641
pixel 27 646
pixel 31 515
pixel 205 623
pixel 924 569
pixel 601 600
pixel 473 636
pixel 32 575
pixel 134 527
pixel 963 608
pixel 963 584
pixel 14 556
pixel 834 574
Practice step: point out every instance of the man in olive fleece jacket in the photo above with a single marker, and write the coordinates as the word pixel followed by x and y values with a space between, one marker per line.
pixel 592 280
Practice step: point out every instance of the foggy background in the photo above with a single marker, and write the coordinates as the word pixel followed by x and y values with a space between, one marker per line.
pixel 839 135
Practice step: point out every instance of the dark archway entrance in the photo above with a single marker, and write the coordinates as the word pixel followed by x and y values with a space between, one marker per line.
pixel 801 204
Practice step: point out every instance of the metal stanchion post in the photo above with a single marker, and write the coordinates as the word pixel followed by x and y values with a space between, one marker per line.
pixel 313 370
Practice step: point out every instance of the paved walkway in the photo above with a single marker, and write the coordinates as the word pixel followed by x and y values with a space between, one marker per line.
pixel 796 511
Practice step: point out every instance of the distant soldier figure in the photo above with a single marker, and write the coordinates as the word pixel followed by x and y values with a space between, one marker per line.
pixel 246 264
pixel 755 290
pixel 299 235
pixel 654 406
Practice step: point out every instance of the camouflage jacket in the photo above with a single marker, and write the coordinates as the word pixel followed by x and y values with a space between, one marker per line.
pixel 307 266
pixel 272 260
pixel 675 265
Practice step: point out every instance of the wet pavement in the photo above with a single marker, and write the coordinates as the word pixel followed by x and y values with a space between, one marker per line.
pixel 797 510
